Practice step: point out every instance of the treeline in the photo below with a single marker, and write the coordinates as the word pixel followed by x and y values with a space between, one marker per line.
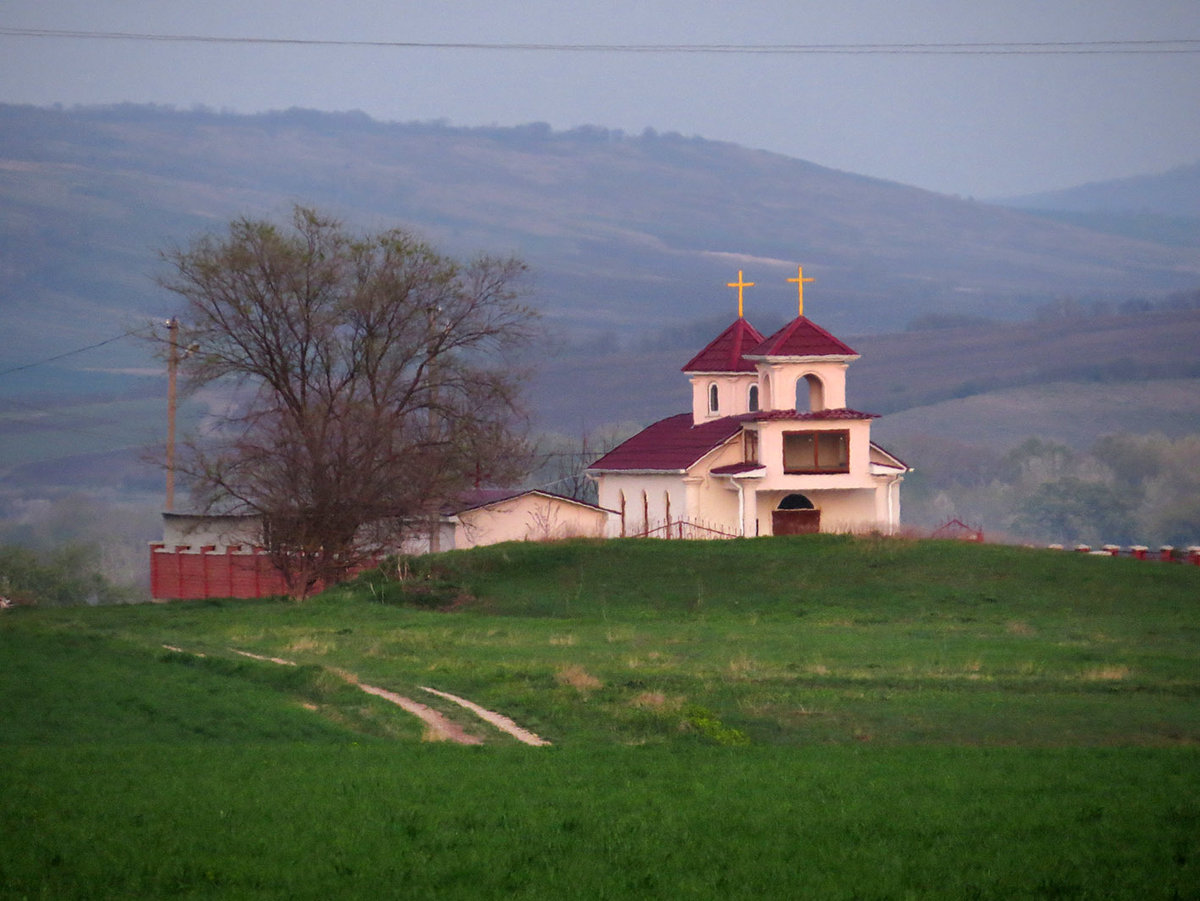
pixel 1068 307
pixel 63 576
pixel 1126 489
pixel 74 550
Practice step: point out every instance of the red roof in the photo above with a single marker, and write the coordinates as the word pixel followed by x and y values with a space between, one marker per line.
pixel 801 338
pixel 724 352
pixel 670 445
pixel 734 469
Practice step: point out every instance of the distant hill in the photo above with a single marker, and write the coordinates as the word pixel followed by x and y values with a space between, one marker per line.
pixel 628 235
pixel 1173 193
pixel 1163 208
pixel 917 369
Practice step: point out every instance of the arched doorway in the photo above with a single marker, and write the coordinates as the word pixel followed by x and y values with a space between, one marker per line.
pixel 796 515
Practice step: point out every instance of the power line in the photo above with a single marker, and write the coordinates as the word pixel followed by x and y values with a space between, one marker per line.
pixel 1026 48
pixel 69 353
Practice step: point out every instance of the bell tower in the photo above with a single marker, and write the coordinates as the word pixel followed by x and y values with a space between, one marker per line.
pixel 802 367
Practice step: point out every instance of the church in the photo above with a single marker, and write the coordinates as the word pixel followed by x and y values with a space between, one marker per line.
pixel 769 448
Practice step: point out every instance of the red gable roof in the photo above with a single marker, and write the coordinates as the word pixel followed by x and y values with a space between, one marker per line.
pixel 801 338
pixel 724 352
pixel 671 444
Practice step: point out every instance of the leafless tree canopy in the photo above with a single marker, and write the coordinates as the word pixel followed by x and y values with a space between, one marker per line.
pixel 375 380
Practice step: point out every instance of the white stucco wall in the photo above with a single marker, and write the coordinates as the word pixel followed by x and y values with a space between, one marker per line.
pixel 657 487
pixel 530 517
pixel 733 395
pixel 842 510
pixel 197 530
pixel 779 378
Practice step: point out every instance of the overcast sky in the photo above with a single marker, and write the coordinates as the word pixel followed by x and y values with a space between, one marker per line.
pixel 974 125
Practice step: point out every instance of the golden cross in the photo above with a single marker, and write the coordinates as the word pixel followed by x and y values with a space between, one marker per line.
pixel 800 280
pixel 739 284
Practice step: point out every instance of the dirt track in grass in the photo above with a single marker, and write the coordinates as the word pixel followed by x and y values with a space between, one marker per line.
pixel 439 727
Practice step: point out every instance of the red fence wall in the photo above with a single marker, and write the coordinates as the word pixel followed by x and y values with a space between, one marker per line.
pixel 187 573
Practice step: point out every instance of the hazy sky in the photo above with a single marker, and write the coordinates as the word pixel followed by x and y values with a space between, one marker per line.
pixel 975 125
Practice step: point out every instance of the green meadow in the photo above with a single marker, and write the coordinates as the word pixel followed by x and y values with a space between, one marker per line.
pixel 821 717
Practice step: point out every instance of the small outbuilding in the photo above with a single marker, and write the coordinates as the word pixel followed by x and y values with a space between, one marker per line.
pixel 204 556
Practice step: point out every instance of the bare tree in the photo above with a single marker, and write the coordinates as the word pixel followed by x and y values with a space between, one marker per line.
pixel 374 377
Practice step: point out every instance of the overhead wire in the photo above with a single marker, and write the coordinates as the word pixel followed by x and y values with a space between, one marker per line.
pixel 40 408
pixel 1027 48
pixel 69 353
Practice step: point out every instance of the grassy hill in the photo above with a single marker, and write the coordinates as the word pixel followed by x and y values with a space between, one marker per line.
pixel 818 717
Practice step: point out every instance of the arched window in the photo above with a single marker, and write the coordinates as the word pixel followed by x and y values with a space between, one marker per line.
pixel 752 403
pixel 796 502
pixel 766 392
pixel 810 394
pixel 712 398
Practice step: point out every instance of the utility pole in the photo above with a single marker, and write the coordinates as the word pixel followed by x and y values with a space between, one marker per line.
pixel 172 367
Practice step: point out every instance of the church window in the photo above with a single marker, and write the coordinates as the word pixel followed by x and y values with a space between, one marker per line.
pixel 817 451
pixel 753 399
pixel 712 398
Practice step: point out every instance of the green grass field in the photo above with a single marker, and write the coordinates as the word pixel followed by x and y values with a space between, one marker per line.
pixel 819 717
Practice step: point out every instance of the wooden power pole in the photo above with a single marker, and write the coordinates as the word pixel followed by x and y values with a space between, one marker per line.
pixel 172 367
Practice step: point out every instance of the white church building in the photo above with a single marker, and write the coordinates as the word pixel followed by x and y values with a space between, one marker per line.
pixel 770 446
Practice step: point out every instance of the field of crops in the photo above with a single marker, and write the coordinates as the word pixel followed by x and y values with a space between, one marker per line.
pixel 819 717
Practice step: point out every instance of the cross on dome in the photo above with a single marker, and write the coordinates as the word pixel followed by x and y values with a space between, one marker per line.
pixel 739 284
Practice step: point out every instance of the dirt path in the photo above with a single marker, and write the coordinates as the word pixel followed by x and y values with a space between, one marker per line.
pixel 439 727
pixel 498 720
pixel 278 660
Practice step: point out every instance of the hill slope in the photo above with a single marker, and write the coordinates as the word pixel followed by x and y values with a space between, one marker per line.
pixel 625 232
pixel 1174 193
pixel 909 369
